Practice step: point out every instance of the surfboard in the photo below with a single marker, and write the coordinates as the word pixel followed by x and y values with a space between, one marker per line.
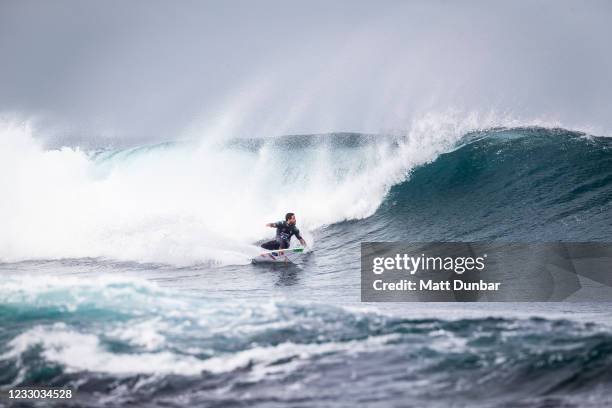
pixel 289 255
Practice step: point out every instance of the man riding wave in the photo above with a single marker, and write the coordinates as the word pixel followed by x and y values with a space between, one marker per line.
pixel 284 231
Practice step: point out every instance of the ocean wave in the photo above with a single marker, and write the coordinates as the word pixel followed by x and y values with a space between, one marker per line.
pixel 190 203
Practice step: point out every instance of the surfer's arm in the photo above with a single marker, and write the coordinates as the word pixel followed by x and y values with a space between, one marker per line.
pixel 271 225
pixel 299 237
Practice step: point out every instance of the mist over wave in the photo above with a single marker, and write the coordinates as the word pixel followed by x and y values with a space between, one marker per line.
pixel 89 74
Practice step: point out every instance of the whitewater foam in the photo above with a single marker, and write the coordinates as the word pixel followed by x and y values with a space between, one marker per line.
pixel 83 352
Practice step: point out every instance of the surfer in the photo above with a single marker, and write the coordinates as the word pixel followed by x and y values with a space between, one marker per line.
pixel 284 231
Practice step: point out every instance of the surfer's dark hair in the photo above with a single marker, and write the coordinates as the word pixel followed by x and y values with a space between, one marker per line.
pixel 288 216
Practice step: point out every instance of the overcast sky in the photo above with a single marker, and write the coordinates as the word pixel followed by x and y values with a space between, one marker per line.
pixel 124 71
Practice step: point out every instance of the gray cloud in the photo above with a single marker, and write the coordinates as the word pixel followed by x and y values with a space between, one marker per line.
pixel 124 72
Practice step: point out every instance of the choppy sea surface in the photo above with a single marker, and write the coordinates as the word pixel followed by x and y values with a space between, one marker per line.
pixel 125 275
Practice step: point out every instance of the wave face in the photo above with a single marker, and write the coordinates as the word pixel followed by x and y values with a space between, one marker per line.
pixel 136 343
pixel 523 184
pixel 188 203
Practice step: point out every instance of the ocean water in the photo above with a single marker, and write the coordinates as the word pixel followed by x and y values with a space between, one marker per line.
pixel 126 274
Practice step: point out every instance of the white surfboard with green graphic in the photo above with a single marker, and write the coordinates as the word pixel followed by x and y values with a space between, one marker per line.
pixel 289 255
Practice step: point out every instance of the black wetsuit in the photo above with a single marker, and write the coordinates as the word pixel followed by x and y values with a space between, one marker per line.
pixel 284 232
